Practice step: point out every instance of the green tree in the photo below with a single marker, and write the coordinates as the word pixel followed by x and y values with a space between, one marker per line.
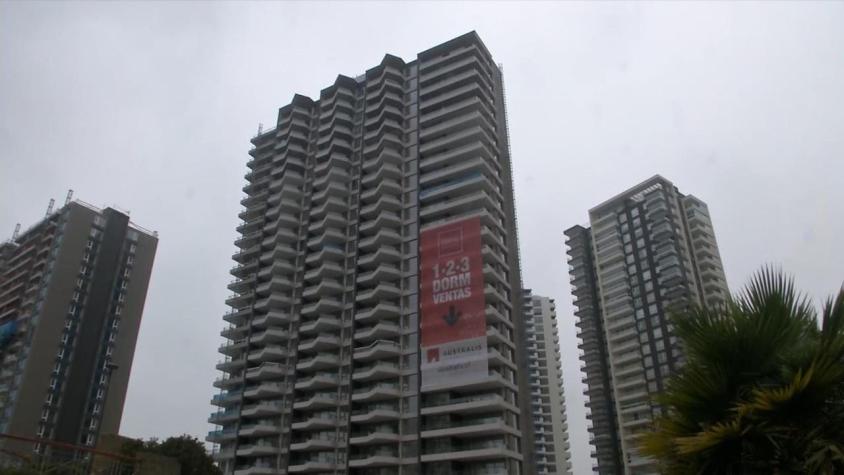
pixel 191 454
pixel 762 390
pixel 189 451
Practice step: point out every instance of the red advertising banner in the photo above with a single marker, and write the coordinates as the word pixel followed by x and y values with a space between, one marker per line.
pixel 453 323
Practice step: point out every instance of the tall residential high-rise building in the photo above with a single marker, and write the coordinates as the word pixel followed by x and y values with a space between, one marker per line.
pixel 375 311
pixel 548 402
pixel 650 250
pixel 72 291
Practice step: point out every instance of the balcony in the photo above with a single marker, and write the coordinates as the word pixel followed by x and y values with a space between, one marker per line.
pixel 469 453
pixel 217 436
pixel 277 267
pixel 227 398
pixel 314 443
pixel 229 365
pixel 381 292
pixel 384 310
pixel 454 155
pixel 239 300
pixel 222 417
pixel 381 330
pixel 328 236
pixel 259 429
pixel 234 332
pixel 232 348
pixel 318 381
pixel 331 220
pixel 266 371
pixel 274 301
pixel 377 371
pixel 374 460
pixel 259 449
pixel 318 362
pixel 323 341
pixel 386 187
pixel 324 287
pixel 267 390
pixel 223 383
pixel 376 413
pixel 384 237
pixel 470 429
pixel 273 318
pixel 328 253
pixel 278 283
pixel 384 203
pixel 324 323
pixel 326 270
pixel 469 182
pixel 460 203
pixel 468 405
pixel 268 353
pixel 316 401
pixel 374 437
pixel 384 254
pixel 384 272
pixel 380 349
pixel 237 317
pixel 494 316
pixel 259 470
pixel 384 219
pixel 451 141
pixel 376 392
pixel 386 171
pixel 263 409
pixel 315 465
pixel 323 305
pixel 270 335
pixel 315 423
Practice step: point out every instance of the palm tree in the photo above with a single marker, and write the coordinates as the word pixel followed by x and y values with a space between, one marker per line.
pixel 762 390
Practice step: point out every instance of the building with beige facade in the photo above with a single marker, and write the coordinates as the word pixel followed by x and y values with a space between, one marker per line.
pixel 649 252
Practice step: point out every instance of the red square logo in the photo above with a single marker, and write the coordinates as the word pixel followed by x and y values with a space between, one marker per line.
pixel 450 242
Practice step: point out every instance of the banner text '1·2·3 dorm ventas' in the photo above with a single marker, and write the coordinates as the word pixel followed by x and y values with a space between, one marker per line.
pixel 453 328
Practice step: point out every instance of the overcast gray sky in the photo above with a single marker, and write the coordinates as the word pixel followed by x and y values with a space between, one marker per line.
pixel 151 106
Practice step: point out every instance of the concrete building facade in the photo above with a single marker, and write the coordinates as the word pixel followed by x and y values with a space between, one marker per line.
pixel 72 292
pixel 649 252
pixel 548 401
pixel 322 364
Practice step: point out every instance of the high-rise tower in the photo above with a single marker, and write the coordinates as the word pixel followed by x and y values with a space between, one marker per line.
pixel 72 291
pixel 649 251
pixel 374 316
pixel 548 402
